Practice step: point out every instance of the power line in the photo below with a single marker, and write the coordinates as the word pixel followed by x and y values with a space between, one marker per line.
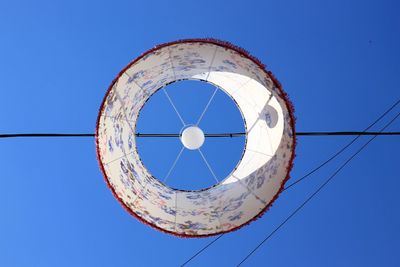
pixel 206 135
pixel 316 191
pixel 346 146
pixel 201 250
pixel 179 135
pixel 46 135
pixel 345 133
pixel 315 169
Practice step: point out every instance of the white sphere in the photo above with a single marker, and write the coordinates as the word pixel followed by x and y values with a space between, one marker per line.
pixel 192 137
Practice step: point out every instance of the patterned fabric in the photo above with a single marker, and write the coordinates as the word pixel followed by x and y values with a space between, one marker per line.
pixel 257 180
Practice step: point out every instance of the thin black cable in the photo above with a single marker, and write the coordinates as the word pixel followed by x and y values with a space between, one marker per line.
pixel 156 135
pixel 375 134
pixel 201 250
pixel 206 135
pixel 179 135
pixel 315 169
pixel 46 135
pixel 344 133
pixel 317 191
pixel 345 147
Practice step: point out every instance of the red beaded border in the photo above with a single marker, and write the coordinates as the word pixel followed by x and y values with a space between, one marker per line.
pixel 242 52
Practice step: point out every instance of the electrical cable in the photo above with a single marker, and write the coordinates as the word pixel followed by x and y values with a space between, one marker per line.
pixel 206 135
pixel 201 250
pixel 316 191
pixel 312 171
pixel 344 147
pixel 344 133
pixel 46 135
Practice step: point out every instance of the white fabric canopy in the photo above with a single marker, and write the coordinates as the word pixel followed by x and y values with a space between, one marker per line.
pixel 258 178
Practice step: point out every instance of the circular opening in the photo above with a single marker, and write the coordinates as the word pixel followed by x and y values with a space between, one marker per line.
pixel 188 111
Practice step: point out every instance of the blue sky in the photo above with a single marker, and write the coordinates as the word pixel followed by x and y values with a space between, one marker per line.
pixel 338 61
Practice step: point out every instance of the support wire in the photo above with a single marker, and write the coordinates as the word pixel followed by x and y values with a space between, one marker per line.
pixel 205 135
pixel 316 192
pixel 311 172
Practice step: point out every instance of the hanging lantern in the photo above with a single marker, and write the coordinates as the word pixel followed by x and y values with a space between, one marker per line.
pixel 251 187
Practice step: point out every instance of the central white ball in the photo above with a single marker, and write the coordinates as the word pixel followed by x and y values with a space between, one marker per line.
pixel 192 137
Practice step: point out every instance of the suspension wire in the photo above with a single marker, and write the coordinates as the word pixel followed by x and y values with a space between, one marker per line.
pixel 340 151
pixel 316 191
pixel 205 135
pixel 224 134
pixel 201 250
pixel 312 171
pixel 157 135
pixel 46 135
pixel 179 135
pixel 345 133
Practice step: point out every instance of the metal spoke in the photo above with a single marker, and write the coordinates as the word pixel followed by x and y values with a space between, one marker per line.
pixel 173 164
pixel 173 105
pixel 215 91
pixel 208 165
pixel 208 104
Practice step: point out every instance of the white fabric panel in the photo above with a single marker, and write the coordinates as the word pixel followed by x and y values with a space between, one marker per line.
pixel 241 196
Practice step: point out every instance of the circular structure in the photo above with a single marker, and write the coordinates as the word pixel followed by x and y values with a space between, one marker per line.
pixel 192 137
pixel 253 185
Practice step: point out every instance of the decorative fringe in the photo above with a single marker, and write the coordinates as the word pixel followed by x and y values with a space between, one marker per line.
pixel 242 52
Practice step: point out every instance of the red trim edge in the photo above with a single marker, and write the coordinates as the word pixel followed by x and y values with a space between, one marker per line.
pixel 242 52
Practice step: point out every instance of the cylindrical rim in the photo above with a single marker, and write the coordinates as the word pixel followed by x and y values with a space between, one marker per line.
pixel 243 53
